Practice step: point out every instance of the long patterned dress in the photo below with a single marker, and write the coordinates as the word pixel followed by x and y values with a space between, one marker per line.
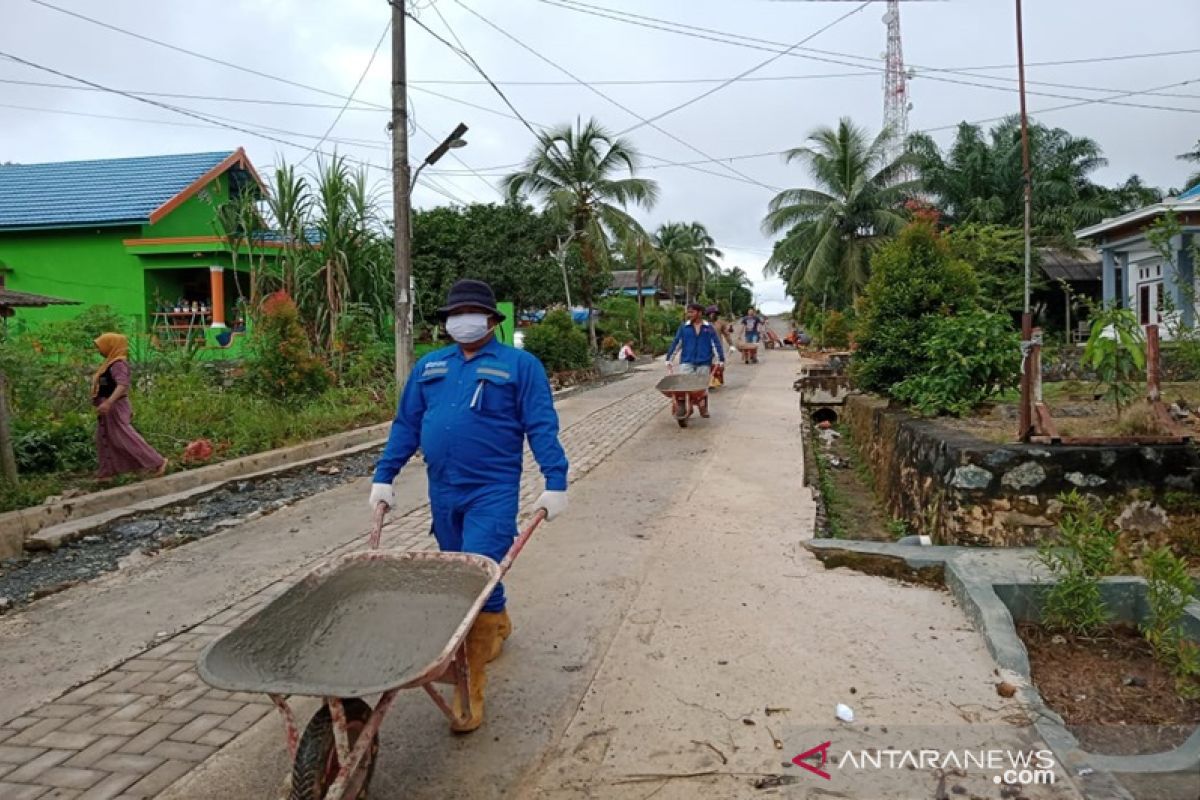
pixel 119 447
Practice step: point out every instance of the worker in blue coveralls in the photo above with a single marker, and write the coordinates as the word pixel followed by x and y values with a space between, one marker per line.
pixel 470 407
pixel 699 347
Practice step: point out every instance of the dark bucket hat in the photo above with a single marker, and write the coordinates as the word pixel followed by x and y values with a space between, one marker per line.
pixel 470 294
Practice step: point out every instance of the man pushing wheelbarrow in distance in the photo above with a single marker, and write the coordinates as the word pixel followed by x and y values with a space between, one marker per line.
pixel 470 407
pixel 723 329
pixel 699 347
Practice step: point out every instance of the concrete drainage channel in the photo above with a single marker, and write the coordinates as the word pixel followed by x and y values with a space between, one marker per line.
pixel 109 543
pixel 997 588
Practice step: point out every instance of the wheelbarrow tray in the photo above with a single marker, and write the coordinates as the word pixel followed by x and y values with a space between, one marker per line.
pixel 696 382
pixel 360 625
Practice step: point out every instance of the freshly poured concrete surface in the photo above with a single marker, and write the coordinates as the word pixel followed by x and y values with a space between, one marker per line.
pixel 671 604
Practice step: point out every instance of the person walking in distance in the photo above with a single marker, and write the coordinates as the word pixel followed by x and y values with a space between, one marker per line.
pixel 119 447
pixel 470 408
pixel 752 325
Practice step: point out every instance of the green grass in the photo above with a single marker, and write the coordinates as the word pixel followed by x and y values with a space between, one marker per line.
pixel 181 408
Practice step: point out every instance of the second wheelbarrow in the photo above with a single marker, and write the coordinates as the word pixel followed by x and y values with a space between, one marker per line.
pixel 687 392
pixel 367 623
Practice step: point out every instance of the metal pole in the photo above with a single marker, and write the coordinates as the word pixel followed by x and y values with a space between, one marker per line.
pixel 401 201
pixel 1026 415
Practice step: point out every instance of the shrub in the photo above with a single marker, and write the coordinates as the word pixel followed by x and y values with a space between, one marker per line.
pixel 54 445
pixel 619 319
pixel 282 365
pixel 1169 590
pixel 1116 352
pixel 610 346
pixel 360 356
pixel 914 280
pixel 966 360
pixel 835 330
pixel 1082 555
pixel 558 343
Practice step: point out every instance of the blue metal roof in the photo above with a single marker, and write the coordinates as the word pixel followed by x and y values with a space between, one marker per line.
pixel 1191 194
pixel 106 192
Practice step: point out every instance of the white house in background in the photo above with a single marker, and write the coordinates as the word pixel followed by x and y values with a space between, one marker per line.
pixel 1135 275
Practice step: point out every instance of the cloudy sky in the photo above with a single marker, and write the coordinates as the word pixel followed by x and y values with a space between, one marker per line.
pixel 311 54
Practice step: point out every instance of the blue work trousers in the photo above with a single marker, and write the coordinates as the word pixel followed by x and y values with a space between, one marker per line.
pixel 476 519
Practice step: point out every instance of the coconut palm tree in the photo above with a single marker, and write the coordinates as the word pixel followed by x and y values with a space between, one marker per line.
pixel 586 176
pixel 707 252
pixel 687 256
pixel 677 259
pixel 833 229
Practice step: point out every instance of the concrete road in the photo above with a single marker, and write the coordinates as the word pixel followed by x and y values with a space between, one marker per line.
pixel 673 639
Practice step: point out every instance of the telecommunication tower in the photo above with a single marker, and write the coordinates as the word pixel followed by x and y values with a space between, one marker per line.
pixel 895 79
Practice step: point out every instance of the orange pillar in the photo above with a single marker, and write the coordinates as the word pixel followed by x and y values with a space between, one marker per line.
pixel 217 279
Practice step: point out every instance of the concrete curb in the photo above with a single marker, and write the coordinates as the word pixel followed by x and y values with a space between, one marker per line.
pixel 18 526
pixel 977 577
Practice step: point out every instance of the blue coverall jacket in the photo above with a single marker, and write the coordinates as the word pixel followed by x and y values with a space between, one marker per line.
pixel 697 348
pixel 470 419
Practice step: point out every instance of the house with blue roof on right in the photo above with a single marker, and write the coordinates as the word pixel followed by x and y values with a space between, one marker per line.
pixel 141 235
pixel 1138 275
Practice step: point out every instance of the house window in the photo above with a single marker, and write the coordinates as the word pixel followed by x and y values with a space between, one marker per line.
pixel 1144 304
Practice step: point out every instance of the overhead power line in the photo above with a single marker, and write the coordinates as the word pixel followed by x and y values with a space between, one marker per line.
pixel 617 103
pixel 470 60
pixel 745 73
pixel 350 98
pixel 767 45
pixel 209 120
pixel 186 51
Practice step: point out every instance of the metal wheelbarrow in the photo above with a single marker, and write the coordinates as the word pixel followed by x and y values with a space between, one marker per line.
pixel 366 623
pixel 686 392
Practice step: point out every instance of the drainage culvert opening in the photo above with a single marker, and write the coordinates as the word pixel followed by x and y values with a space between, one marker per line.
pixel 820 415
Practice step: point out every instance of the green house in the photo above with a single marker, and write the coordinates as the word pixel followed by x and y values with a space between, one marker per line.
pixel 141 235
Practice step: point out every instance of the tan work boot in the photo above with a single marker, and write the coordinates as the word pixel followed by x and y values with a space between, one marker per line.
pixel 483 644
pixel 504 629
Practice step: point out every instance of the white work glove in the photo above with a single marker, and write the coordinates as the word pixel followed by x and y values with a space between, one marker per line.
pixel 382 493
pixel 553 503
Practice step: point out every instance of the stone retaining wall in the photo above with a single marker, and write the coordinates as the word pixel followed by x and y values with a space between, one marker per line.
pixel 963 490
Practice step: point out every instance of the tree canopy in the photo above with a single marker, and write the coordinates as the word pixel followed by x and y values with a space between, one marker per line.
pixel 832 230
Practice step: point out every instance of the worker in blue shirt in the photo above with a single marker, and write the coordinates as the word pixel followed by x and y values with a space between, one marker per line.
pixel 470 407
pixel 699 347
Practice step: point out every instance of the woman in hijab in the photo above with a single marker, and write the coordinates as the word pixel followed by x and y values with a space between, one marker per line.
pixel 119 447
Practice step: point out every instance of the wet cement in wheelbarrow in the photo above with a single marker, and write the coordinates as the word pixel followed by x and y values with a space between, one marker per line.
pixel 369 626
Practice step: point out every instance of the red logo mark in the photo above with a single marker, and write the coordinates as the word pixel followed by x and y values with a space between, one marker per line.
pixel 823 749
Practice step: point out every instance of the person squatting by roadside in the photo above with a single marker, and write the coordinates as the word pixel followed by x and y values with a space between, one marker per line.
pixel 470 407
pixel 699 348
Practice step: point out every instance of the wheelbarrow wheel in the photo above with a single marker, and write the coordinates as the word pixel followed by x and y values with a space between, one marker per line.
pixel 682 421
pixel 316 765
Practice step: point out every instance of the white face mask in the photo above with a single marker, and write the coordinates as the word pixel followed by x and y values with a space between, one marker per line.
pixel 468 328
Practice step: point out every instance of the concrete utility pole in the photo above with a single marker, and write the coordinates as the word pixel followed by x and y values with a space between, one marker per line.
pixel 401 201
pixel 1027 378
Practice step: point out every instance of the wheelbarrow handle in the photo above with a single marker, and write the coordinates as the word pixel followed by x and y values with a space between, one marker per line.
pixel 519 543
pixel 381 509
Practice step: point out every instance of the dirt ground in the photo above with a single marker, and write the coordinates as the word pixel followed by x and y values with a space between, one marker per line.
pixel 1110 690
pixel 1079 410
